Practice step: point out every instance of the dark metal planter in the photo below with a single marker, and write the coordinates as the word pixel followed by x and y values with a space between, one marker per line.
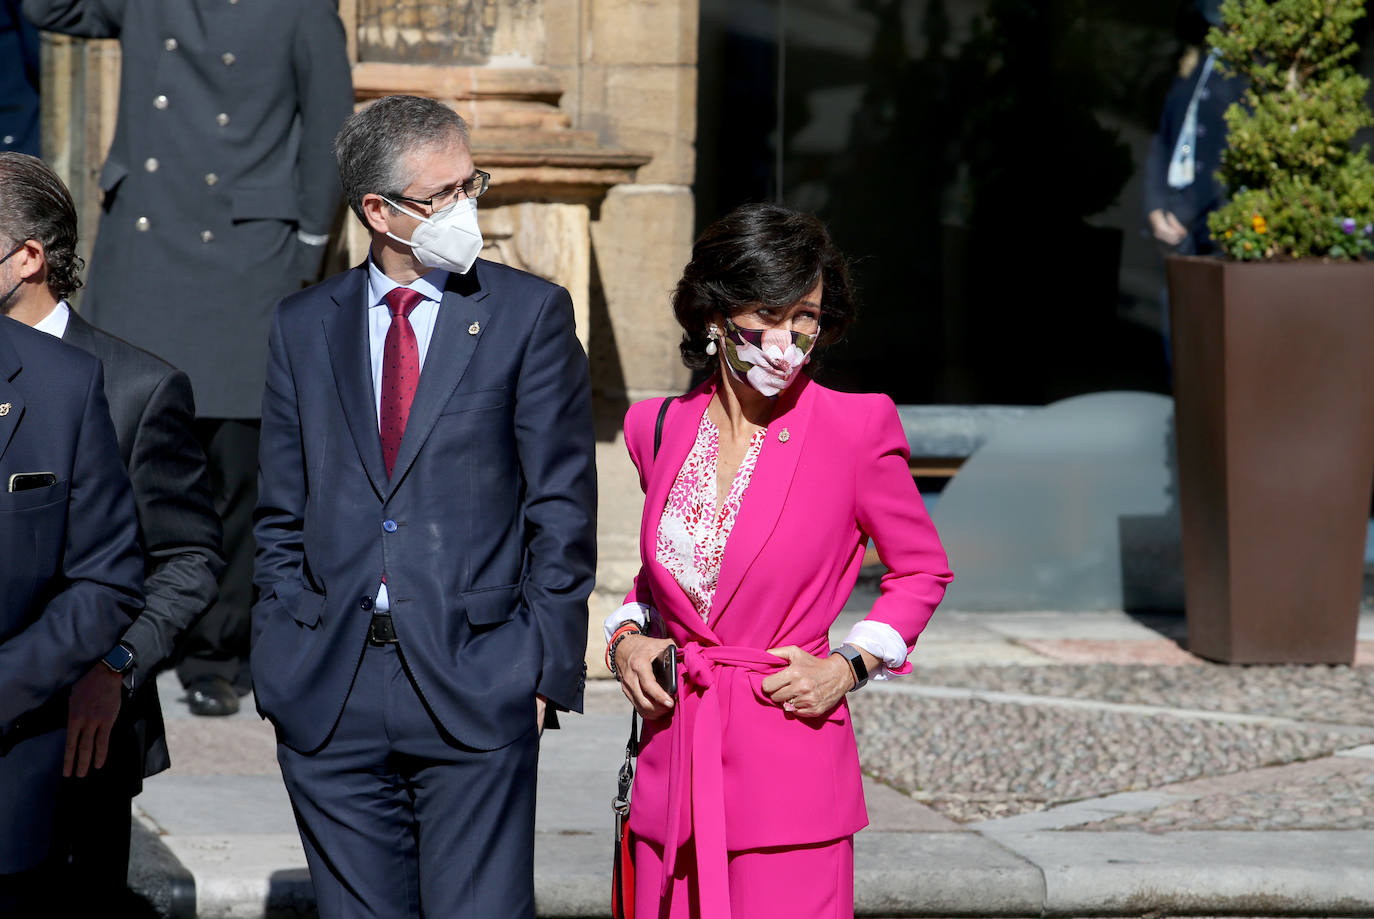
pixel 1274 395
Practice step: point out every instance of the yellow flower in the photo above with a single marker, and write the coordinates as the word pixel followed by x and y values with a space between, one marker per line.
pixel 1259 224
pixel 1229 234
pixel 1248 246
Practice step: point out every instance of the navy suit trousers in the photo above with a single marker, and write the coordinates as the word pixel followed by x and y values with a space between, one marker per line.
pixel 399 819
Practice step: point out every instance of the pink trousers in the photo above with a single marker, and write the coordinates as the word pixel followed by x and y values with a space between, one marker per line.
pixel 799 882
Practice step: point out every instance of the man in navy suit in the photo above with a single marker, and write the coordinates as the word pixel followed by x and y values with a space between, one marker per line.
pixel 115 733
pixel 426 539
pixel 71 571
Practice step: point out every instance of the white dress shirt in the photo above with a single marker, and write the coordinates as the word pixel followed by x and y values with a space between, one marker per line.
pixel 55 323
pixel 422 320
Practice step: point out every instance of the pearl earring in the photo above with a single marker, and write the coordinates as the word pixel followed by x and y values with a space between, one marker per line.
pixel 712 333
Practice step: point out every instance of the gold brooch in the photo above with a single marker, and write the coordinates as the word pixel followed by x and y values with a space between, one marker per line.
pixel 784 436
pixel 4 409
pixel 474 328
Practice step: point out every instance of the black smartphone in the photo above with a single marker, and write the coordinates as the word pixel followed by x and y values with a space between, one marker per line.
pixel 665 670
pixel 23 481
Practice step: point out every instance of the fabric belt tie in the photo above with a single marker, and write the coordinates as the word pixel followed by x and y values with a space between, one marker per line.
pixel 698 714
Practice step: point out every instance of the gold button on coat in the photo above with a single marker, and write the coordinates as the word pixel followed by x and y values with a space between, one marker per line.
pixel 160 102
pixel 143 224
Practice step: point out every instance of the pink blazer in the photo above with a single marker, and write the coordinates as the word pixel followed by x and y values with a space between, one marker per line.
pixel 729 769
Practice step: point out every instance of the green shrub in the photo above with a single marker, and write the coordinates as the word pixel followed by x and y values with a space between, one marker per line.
pixel 1298 188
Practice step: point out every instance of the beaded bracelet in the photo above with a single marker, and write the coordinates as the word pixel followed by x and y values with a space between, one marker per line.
pixel 625 629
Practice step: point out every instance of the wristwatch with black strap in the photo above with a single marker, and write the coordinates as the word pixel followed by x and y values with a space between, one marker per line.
pixel 120 659
pixel 856 663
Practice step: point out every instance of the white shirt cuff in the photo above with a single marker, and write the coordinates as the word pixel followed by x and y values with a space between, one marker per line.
pixel 883 642
pixel 639 613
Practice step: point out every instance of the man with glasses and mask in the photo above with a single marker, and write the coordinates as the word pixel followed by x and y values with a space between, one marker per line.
pixel 426 538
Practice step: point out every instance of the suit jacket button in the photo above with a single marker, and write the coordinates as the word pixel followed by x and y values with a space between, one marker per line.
pixel 367 603
pixel 389 526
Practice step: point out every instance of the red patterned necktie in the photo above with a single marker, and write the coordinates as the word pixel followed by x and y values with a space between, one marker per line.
pixel 400 371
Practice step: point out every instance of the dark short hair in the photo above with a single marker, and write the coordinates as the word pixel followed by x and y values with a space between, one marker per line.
pixel 760 254
pixel 34 204
pixel 374 145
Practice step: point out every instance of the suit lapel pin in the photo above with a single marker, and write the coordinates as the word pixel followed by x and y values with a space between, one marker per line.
pixel 784 436
pixel 474 328
pixel 4 409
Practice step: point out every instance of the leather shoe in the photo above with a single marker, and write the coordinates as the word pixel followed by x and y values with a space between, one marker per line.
pixel 211 696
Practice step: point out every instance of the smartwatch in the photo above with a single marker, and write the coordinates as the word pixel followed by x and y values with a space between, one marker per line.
pixel 120 659
pixel 856 662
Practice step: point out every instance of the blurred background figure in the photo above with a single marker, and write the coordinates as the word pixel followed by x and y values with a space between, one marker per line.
pixel 18 81
pixel 219 196
pixel 1180 173
pixel 114 720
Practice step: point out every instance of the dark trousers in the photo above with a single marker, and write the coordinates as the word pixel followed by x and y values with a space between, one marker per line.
pixel 398 819
pixel 218 644
pixel 27 893
pixel 91 843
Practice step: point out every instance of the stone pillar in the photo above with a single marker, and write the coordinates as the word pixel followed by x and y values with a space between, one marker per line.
pixel 629 68
pixel 80 104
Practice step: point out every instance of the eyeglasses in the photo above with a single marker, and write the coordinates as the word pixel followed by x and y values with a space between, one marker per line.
pixel 474 187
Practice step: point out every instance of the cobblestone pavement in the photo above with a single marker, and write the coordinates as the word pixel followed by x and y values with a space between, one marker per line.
pixel 1335 793
pixel 1339 695
pixel 972 759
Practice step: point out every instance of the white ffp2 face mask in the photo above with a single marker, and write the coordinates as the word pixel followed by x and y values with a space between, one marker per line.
pixel 449 239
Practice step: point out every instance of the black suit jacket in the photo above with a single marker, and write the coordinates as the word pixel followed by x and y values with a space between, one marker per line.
pixel 71 571
pixel 486 528
pixel 152 408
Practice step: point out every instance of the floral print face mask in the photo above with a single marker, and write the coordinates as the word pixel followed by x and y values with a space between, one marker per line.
pixel 767 359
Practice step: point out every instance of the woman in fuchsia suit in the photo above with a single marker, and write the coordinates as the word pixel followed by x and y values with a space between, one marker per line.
pixel 764 492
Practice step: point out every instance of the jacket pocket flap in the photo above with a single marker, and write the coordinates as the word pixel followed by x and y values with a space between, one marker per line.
pixel 308 609
pixel 112 173
pixel 474 399
pixel 263 203
pixel 491 605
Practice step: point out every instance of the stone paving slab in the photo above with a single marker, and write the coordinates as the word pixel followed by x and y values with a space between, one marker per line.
pixel 942 874
pixel 1261 874
pixel 207 805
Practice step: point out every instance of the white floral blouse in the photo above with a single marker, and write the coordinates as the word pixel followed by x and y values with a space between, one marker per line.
pixel 692 532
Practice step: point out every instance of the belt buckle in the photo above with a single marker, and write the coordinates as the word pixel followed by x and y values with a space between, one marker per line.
pixel 381 631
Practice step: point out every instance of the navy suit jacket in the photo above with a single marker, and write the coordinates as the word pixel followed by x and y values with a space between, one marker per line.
pixel 485 529
pixel 71 571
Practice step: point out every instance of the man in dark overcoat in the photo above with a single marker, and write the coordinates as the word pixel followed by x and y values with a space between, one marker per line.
pixel 115 734
pixel 18 81
pixel 219 195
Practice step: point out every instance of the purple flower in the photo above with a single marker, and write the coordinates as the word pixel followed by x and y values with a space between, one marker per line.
pixel 1348 224
pixel 1368 229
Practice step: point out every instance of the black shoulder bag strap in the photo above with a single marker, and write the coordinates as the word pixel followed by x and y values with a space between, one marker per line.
pixel 621 804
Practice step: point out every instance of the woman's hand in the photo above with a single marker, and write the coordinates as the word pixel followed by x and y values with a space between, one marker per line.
pixel 810 686
pixel 634 661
